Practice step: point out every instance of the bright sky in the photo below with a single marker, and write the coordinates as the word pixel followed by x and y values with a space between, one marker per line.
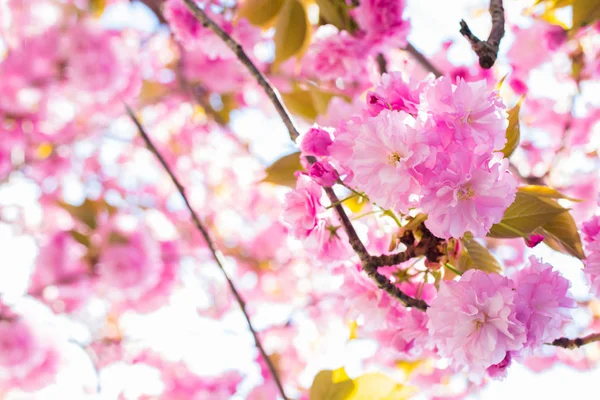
pixel 226 344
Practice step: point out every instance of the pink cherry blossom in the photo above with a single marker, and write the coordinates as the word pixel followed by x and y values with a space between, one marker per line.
pixel 464 198
pixel 323 173
pixel 498 371
pixel 328 242
pixel 473 321
pixel 62 278
pixel 383 21
pixel 395 93
pixel 474 113
pixel 338 56
pixel 543 302
pixel 386 149
pixel 132 269
pixel 303 206
pixel 29 355
pixel 316 142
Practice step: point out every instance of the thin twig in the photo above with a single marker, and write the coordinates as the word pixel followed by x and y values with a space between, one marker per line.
pixel 487 51
pixel 244 59
pixel 567 343
pixel 360 249
pixel 155 7
pixel 421 59
pixel 217 255
pixel 381 63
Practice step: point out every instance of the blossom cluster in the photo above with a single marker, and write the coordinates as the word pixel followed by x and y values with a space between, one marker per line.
pixel 485 320
pixel 430 145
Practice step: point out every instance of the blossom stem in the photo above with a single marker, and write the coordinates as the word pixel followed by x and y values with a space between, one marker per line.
pixel 365 214
pixel 487 50
pixel 262 80
pixel 392 215
pixel 567 343
pixel 341 201
pixel 217 255
pixel 451 268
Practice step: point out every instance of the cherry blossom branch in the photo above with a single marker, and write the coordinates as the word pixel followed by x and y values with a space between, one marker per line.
pixel 567 343
pixel 244 59
pixel 487 51
pixel 369 264
pixel 421 59
pixel 155 7
pixel 217 255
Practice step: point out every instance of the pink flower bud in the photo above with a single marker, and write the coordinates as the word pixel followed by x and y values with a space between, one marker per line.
pixel 323 173
pixel 534 240
pixel 316 142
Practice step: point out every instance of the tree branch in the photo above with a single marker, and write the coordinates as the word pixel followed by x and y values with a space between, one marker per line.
pixel 244 59
pixel 217 255
pixel 487 51
pixel 567 343
pixel 155 6
pixel 421 59
pixel 360 249
pixel 381 63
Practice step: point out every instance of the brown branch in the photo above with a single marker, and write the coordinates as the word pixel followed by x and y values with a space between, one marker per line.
pixel 219 258
pixel 381 63
pixel 355 241
pixel 155 6
pixel 421 59
pixel 567 343
pixel 487 51
pixel 244 59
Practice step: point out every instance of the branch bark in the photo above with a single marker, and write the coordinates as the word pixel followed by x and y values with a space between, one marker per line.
pixel 217 255
pixel 421 59
pixel 487 51
pixel 155 6
pixel 567 343
pixel 244 59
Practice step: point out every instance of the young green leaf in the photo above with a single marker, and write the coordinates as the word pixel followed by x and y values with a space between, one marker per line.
pixel 524 215
pixel 545 192
pixel 292 31
pixel 476 256
pixel 331 385
pixel 281 172
pixel 561 234
pixel 513 132
pixel 260 12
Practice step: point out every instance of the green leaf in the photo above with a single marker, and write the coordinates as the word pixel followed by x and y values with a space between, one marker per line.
pixel 86 212
pixel 335 12
pixel 545 192
pixel 331 385
pixel 476 256
pixel 377 386
pixel 80 238
pixel 561 234
pixel 301 102
pixel 307 103
pixel 292 31
pixel 96 7
pixel 513 132
pixel 524 215
pixel 260 12
pixel 281 172
pixel 585 12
